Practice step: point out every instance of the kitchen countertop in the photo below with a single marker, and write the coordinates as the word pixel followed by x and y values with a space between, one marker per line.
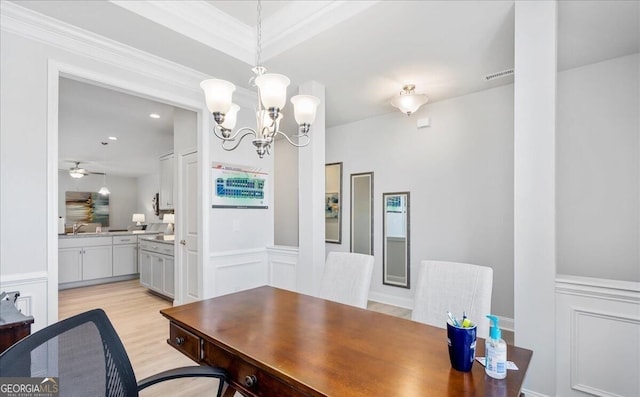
pixel 109 234
pixel 161 238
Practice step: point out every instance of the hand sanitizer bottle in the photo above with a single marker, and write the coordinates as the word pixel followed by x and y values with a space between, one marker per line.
pixel 495 351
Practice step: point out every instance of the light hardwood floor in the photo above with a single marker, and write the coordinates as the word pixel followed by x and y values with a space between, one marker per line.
pixel 134 313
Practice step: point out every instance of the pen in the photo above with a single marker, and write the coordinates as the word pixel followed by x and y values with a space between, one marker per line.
pixel 454 322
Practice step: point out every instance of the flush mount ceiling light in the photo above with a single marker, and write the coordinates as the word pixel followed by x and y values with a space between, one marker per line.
pixel 154 115
pixel 408 101
pixel 272 96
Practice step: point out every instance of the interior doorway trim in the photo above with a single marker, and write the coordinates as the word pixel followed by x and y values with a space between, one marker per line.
pixel 57 69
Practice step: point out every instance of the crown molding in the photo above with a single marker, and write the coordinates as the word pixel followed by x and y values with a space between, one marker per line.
pixel 201 22
pixel 293 25
pixel 41 28
pixel 212 27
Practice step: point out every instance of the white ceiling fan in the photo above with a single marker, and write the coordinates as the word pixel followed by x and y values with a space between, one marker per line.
pixel 78 172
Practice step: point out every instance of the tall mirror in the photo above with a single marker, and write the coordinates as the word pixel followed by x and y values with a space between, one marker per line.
pixel 395 229
pixel 333 203
pixel 362 213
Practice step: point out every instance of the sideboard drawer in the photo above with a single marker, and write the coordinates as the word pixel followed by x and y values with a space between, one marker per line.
pixel 238 370
pixel 185 342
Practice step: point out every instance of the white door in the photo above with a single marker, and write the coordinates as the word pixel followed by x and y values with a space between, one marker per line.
pixel 188 227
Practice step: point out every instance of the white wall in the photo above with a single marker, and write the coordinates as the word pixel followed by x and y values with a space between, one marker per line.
pixel 598 144
pixel 286 196
pixel 123 200
pixel 148 186
pixel 237 229
pixel 460 175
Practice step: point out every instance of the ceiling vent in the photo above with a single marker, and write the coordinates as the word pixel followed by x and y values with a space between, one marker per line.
pixel 498 75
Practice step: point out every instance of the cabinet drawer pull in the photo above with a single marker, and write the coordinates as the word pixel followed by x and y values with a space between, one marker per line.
pixel 179 340
pixel 250 380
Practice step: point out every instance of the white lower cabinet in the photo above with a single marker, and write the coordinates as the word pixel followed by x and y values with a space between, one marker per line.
pixel 144 262
pixel 169 278
pixel 125 255
pixel 157 267
pixel 97 262
pixel 69 265
pixel 82 259
pixel 94 259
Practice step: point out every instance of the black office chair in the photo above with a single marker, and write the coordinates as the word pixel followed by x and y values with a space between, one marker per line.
pixel 86 355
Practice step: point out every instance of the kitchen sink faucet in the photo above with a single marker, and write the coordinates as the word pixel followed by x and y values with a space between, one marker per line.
pixel 77 226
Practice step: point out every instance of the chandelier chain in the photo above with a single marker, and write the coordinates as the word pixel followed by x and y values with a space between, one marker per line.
pixel 259 35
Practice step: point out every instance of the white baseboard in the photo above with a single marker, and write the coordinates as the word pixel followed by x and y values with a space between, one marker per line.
pixel 405 303
pixel 529 393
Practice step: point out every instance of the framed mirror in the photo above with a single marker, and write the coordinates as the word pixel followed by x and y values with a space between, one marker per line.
pixel 362 213
pixel 333 203
pixel 395 233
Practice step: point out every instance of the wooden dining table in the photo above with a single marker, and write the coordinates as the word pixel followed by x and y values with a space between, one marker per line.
pixel 275 342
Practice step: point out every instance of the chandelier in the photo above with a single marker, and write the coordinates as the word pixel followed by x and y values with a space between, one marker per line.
pixel 272 97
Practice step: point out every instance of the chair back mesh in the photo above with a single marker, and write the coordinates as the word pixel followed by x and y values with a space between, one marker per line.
pixel 83 352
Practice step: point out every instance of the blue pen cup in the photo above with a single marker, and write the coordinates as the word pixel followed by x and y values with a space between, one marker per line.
pixel 462 347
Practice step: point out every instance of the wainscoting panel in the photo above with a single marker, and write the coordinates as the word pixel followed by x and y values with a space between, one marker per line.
pixel 283 263
pixel 239 270
pixel 33 295
pixel 597 337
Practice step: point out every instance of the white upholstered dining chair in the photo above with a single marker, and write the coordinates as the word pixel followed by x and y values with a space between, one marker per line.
pixel 455 287
pixel 347 278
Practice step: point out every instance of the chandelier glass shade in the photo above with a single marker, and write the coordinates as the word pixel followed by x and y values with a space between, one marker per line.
pixel 272 98
pixel 408 101
pixel 272 94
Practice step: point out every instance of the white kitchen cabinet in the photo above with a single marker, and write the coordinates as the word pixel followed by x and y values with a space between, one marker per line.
pixel 168 285
pixel 144 262
pixel 157 273
pixel 69 265
pixel 84 258
pixel 157 267
pixel 167 164
pixel 97 262
pixel 125 255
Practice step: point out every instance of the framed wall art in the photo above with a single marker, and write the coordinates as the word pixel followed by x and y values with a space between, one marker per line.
pixel 236 186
